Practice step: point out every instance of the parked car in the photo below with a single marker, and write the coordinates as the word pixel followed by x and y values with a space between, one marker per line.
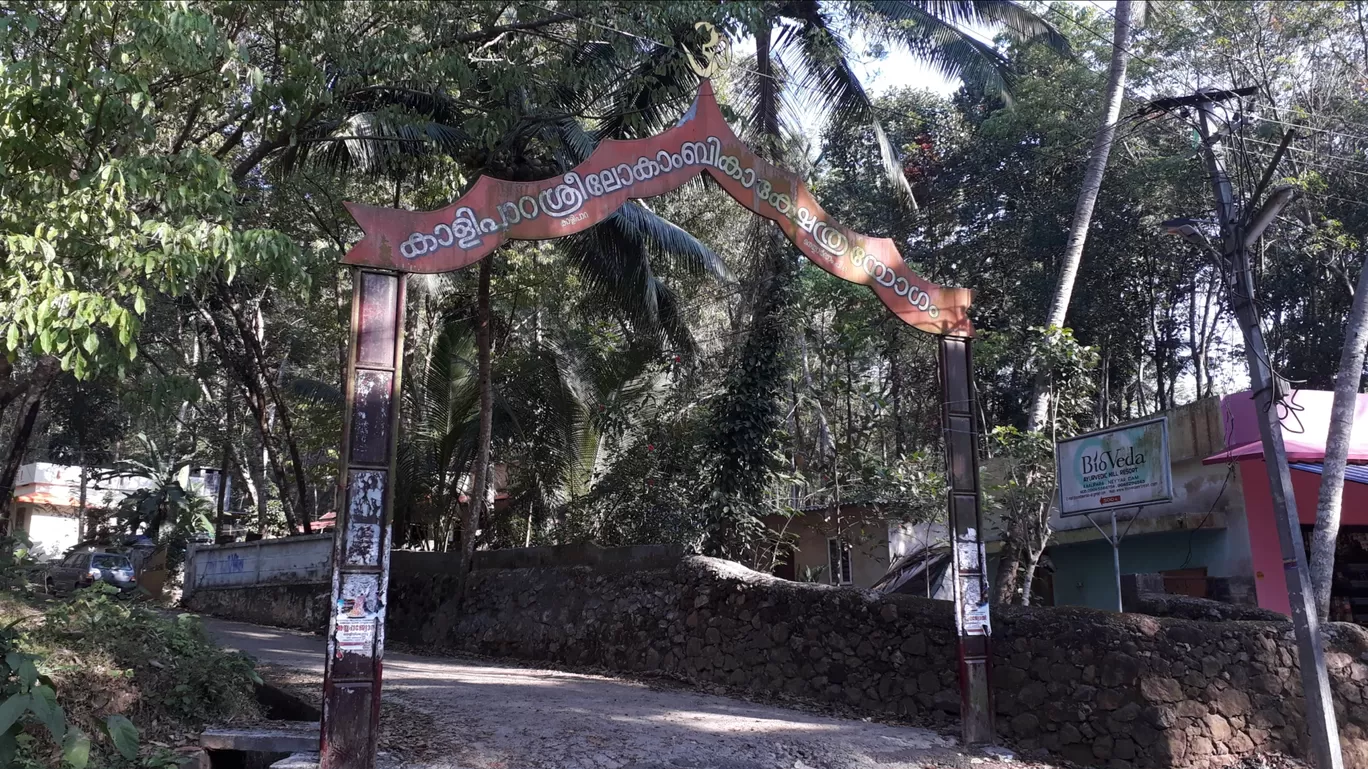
pixel 85 568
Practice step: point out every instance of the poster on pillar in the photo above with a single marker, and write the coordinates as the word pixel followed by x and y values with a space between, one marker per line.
pixel 1125 466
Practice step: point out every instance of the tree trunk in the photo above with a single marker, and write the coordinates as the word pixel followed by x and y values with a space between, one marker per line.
pixel 1328 504
pixel 226 467
pixel 10 389
pixel 1009 564
pixel 470 522
pixel 1028 579
pixel 895 377
pixel 81 529
pixel 256 482
pixel 1087 199
pixel 38 382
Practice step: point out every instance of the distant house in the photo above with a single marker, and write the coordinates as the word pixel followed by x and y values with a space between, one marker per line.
pixel 47 501
pixel 853 544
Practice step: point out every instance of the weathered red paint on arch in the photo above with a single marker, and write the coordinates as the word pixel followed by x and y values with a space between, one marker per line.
pixel 495 210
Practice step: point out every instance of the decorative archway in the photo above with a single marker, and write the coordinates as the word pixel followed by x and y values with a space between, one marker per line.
pixel 399 242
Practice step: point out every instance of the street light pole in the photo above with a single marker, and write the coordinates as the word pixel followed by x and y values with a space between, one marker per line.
pixel 1320 708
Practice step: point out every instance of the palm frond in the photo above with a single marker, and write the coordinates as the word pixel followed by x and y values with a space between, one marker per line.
pixel 643 225
pixel 314 391
pixel 833 89
pixel 631 97
pixel 938 32
pixel 669 239
pixel 1015 19
pixel 761 98
pixel 381 127
pixel 614 259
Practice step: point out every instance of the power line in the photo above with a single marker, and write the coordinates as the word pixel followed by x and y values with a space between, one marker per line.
pixel 1317 165
pixel 1305 127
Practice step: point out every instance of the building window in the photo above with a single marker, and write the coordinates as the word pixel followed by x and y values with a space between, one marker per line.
pixel 838 561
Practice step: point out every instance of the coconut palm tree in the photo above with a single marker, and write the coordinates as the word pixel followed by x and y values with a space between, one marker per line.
pixel 1128 14
pixel 551 406
pixel 802 62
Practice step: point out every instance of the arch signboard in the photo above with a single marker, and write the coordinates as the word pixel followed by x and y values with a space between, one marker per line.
pixel 492 211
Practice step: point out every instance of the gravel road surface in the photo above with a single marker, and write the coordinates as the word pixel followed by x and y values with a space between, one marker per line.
pixel 489 716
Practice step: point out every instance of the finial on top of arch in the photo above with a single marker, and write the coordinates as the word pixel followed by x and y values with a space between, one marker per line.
pixel 712 51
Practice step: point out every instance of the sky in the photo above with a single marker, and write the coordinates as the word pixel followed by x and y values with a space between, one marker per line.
pixel 900 68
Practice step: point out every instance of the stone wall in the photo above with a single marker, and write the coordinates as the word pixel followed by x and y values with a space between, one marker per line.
pixel 1098 688
pixel 301 606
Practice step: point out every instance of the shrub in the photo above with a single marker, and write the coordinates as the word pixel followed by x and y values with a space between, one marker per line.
pixel 179 672
pixel 100 666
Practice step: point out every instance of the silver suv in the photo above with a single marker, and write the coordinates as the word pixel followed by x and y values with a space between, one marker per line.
pixel 85 568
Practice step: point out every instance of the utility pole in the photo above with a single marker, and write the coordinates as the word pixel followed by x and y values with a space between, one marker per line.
pixel 1236 234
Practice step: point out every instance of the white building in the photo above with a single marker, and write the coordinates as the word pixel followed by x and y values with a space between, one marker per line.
pixel 47 502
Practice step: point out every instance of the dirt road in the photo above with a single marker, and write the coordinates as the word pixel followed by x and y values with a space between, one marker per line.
pixel 488 716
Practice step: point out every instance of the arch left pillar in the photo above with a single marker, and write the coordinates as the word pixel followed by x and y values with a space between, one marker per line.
pixel 361 538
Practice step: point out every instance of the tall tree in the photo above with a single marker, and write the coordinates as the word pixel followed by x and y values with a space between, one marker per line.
pixel 470 519
pixel 1342 413
pixel 812 40
pixel 1127 13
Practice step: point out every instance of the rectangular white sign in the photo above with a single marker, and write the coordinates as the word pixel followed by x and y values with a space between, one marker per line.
pixel 1124 466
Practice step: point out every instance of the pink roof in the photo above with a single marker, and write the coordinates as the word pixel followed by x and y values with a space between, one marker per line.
pixel 1305 422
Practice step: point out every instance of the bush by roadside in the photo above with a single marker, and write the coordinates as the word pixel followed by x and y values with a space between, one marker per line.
pixel 97 682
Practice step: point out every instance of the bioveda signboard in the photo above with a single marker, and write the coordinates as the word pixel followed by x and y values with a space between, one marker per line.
pixel 1118 467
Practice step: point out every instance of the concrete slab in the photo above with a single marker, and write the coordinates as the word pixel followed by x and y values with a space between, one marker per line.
pixel 279 737
pixel 298 761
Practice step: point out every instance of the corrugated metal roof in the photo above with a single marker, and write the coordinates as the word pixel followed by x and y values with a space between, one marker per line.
pixel 1352 473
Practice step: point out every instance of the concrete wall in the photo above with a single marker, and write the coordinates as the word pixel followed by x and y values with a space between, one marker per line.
pixel 51 532
pixel 291 560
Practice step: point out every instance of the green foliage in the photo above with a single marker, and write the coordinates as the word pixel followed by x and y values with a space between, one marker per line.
pixel 77 658
pixel 748 414
pixel 174 173
pixel 28 699
pixel 100 214
pixel 181 674
pixel 909 488
pixel 1068 366
pixel 15 561
pixel 647 489
pixel 164 510
pixel 1028 474
pixel 123 734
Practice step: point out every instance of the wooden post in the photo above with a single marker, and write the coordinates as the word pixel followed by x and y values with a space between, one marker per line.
pixel 959 424
pixel 361 539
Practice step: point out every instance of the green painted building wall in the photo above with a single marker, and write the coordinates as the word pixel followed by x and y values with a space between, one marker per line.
pixel 1083 573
